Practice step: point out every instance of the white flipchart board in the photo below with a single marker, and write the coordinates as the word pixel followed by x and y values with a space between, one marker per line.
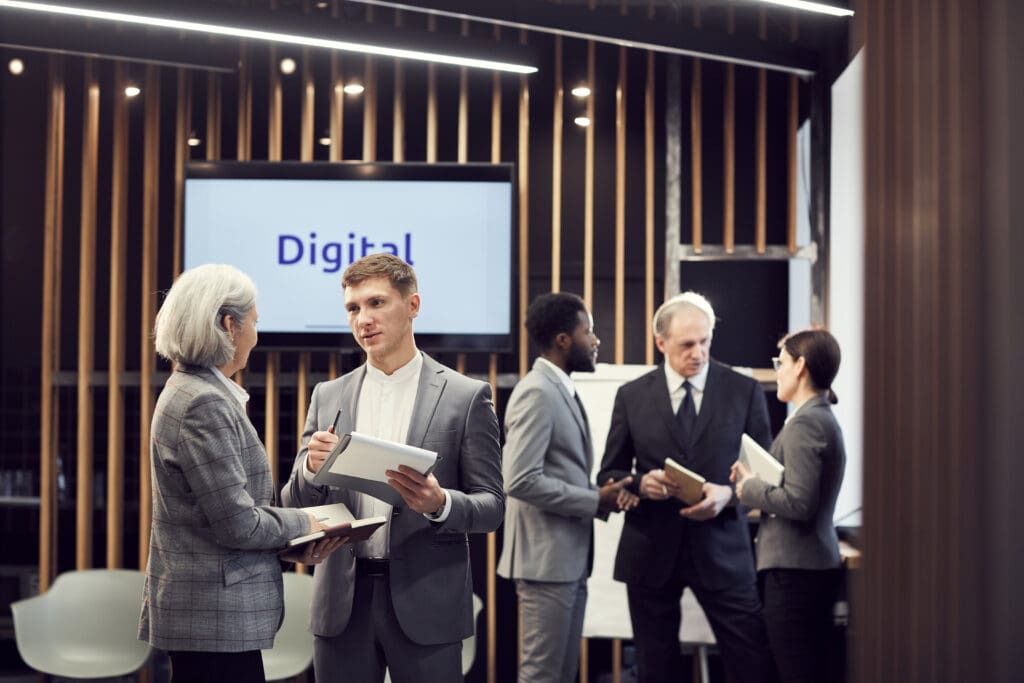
pixel 607 613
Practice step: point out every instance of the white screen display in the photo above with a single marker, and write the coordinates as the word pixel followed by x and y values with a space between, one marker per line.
pixel 295 237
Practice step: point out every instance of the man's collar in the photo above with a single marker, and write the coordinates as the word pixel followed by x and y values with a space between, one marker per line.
pixel 675 380
pixel 410 369
pixel 559 373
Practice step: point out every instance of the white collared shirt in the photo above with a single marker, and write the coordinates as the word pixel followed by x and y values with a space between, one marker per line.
pixel 562 377
pixel 237 392
pixel 676 392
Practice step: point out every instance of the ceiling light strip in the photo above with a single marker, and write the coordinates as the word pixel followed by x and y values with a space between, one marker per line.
pixel 597 38
pixel 819 7
pixel 273 36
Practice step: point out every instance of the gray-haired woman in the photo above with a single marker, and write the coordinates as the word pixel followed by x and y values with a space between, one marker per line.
pixel 214 596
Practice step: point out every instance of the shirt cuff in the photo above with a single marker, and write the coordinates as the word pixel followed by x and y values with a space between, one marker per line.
pixel 444 511
pixel 306 474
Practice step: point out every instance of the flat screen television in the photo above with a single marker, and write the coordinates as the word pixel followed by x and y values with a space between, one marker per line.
pixel 295 227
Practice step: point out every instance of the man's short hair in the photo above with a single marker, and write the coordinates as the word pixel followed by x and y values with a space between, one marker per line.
pixel 398 272
pixel 551 314
pixel 663 316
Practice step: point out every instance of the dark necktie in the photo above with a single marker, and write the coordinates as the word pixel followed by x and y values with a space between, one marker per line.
pixel 687 414
pixel 582 411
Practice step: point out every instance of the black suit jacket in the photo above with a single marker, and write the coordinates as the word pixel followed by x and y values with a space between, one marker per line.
pixel 643 432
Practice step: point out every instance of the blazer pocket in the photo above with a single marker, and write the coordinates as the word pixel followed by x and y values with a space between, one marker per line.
pixel 439 438
pixel 240 567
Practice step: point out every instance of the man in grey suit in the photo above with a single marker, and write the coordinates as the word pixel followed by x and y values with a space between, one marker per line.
pixel 403 598
pixel 548 541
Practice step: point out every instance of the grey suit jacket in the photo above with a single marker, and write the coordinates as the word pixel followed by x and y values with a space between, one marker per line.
pixel 430 579
pixel 213 581
pixel 796 529
pixel 547 462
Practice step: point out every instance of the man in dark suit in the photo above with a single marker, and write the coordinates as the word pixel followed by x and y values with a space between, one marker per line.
pixel 693 410
pixel 403 598
pixel 549 521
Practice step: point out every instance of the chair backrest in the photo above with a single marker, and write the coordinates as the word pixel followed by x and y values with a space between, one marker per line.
pixel 293 645
pixel 85 626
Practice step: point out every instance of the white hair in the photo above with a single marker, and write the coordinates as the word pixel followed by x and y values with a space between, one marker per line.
pixel 189 326
pixel 663 316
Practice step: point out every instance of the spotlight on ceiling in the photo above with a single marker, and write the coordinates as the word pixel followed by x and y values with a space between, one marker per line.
pixel 16 66
pixel 354 89
pixel 582 121
pixel 132 91
pixel 581 91
pixel 287 66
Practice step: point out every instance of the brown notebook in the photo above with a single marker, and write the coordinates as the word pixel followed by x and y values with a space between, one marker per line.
pixel 691 484
pixel 339 522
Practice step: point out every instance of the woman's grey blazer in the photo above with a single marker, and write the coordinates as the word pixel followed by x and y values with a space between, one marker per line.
pixel 796 530
pixel 213 582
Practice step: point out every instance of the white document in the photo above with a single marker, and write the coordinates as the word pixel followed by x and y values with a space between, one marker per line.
pixel 359 462
pixel 764 466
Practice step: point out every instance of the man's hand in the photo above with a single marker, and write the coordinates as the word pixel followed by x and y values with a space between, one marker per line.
pixel 716 497
pixel 608 496
pixel 421 493
pixel 739 474
pixel 320 446
pixel 657 486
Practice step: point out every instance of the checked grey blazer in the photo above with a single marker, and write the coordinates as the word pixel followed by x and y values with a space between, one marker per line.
pixel 213 582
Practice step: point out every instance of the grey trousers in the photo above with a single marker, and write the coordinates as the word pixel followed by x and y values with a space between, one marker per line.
pixel 551 616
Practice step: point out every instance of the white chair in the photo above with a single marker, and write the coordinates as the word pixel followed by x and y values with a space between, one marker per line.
pixel 85 626
pixel 293 646
pixel 468 645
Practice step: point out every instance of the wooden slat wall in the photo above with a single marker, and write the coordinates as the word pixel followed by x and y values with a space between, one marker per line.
pixel 556 171
pixel 939 592
pixel 588 184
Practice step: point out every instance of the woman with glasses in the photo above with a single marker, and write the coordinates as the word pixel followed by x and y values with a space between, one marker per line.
pixel 214 595
pixel 797 547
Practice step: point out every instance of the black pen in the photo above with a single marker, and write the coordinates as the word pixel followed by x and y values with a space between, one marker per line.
pixel 333 429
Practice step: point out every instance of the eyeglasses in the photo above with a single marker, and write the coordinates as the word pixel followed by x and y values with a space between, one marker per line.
pixel 776 363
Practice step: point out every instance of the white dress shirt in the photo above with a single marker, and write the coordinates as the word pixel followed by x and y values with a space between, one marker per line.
pixel 239 394
pixel 676 392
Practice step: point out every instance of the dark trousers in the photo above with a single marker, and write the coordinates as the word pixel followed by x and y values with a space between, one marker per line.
pixel 215 667
pixel 734 614
pixel 373 640
pixel 798 614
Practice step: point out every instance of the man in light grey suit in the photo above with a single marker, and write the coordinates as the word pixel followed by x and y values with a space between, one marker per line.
pixel 403 598
pixel 548 538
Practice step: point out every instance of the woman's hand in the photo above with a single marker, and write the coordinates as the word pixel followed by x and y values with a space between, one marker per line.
pixel 738 474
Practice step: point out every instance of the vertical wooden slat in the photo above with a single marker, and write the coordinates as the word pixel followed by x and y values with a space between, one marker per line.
pixel 524 208
pixel 584 661
pixel 87 315
pixel 332 366
pixel 307 132
pixel 462 147
pixel 147 357
pixel 183 129
pixel 729 161
pixel 696 168
pixel 492 537
pixel 760 197
pixel 53 212
pixel 794 104
pixel 270 434
pixel 431 100
pixel 302 397
pixel 118 301
pixel 556 171
pixel 398 115
pixel 370 111
pixel 213 117
pixel 617 655
pixel 588 186
pixel 244 146
pixel 337 111
pixel 274 113
pixel 649 206
pixel 620 211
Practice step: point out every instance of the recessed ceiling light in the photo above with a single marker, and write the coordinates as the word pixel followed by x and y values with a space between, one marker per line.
pixel 582 121
pixel 193 141
pixel 16 66
pixel 581 91
pixel 354 89
pixel 132 91
pixel 287 66
pixel 325 141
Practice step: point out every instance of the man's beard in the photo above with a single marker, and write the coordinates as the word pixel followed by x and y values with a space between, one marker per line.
pixel 580 360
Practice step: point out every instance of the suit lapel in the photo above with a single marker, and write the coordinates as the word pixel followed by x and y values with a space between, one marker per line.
pixel 428 394
pixel 348 402
pixel 574 408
